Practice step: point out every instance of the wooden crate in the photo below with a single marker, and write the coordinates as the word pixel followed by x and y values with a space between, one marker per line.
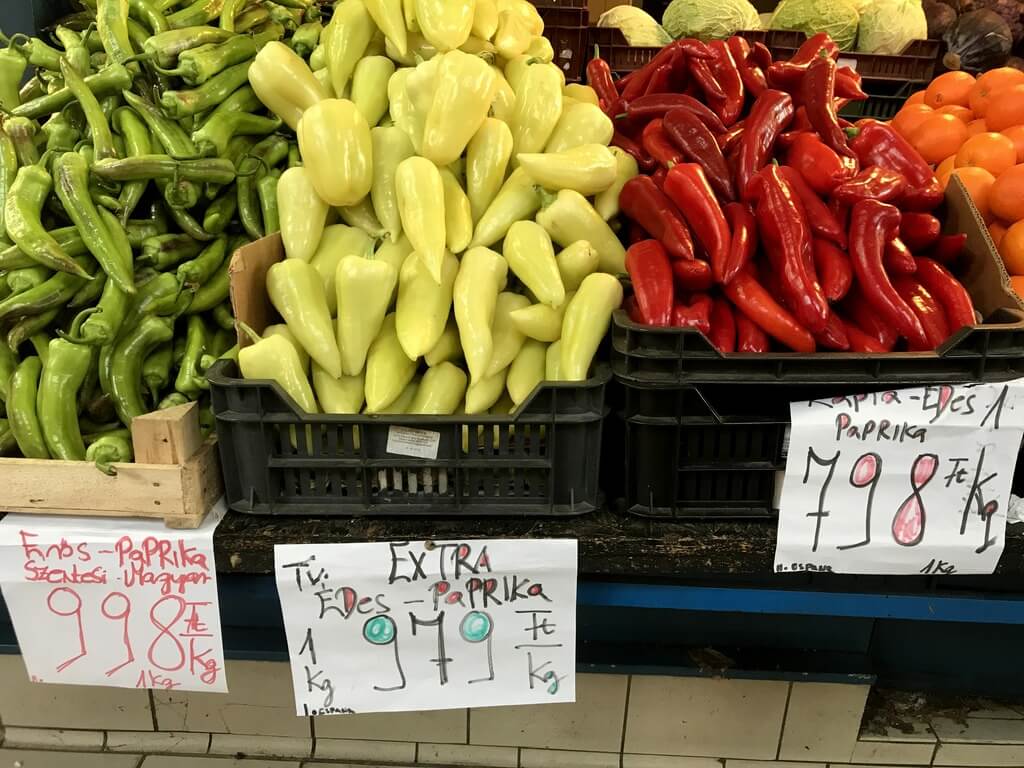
pixel 175 477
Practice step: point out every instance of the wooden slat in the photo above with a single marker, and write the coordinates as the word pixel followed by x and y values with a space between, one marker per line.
pixel 170 436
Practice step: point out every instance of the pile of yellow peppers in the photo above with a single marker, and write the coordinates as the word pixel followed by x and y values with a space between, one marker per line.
pixel 447 238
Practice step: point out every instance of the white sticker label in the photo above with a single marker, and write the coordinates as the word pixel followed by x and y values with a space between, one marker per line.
pixel 846 62
pixel 418 443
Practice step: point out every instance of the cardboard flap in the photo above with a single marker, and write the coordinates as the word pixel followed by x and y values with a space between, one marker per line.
pixel 248 276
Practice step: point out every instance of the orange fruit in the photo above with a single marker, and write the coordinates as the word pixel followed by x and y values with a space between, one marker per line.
pixel 944 169
pixel 949 88
pixel 990 82
pixel 1012 249
pixel 1017 284
pixel 917 97
pixel 996 230
pixel 961 113
pixel 1006 109
pixel 1007 194
pixel 908 118
pixel 977 126
pixel 979 183
pixel 938 136
pixel 1016 135
pixel 991 151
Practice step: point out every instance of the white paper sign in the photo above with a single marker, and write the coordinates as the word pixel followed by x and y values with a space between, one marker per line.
pixel 912 481
pixel 395 626
pixel 418 443
pixel 114 601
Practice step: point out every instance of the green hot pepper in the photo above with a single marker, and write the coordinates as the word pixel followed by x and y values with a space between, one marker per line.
pixel 156 370
pixel 8 364
pixel 223 317
pixel 21 409
pixel 22 133
pixel 57 404
pixel 196 272
pixel 8 172
pixel 112 79
pixel 181 104
pixel 215 290
pixel 99 325
pixel 21 280
pixel 265 155
pixel 173 400
pixel 23 211
pixel 112 27
pixel 126 365
pixel 30 327
pixel 216 133
pixel 55 292
pixel 266 190
pixel 102 138
pixel 199 12
pixel 136 143
pixel 76 53
pixel 189 381
pixel 197 65
pixel 89 293
pixel 148 14
pixel 220 212
pixel 165 251
pixel 12 69
pixel 108 450
pixel 37 53
pixel 61 134
pixel 166 47
pixel 164 167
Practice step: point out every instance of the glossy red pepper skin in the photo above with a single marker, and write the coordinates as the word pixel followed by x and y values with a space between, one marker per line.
pixel 750 73
pixel 661 79
pixel 812 48
pixel 835 273
pixel 658 177
pixel 947 248
pixel 817 91
pixel 898 258
pixel 743 241
pixel 822 221
pixel 692 275
pixel 920 231
pixel 833 335
pixel 696 314
pixel 872 225
pixel 750 298
pixel 723 326
pixel 864 316
pixel 770 115
pixel 927 309
pixel 873 183
pixel 599 76
pixel 658 145
pixel 727 73
pixel 636 233
pixel 786 236
pixel 649 271
pixel 863 342
pixel 643 202
pixel 848 85
pixel 820 166
pixel 749 336
pixel 688 187
pixel 760 55
pixel 698 145
pixel 657 105
pixel 702 74
pixel 786 76
pixel 730 139
pixel 878 144
pixel 627 145
pixel 948 291
pixel 632 309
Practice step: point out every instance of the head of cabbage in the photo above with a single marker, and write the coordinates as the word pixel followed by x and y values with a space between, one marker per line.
pixel 886 26
pixel 707 19
pixel 837 17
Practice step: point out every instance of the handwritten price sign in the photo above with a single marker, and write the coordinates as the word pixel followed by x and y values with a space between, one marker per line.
pixel 911 481
pixel 124 603
pixel 429 625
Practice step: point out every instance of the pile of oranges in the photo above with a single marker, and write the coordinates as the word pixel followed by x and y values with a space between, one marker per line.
pixel 974 128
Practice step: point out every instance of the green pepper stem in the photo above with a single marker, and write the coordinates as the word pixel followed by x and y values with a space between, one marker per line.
pixel 248 331
pixel 74 333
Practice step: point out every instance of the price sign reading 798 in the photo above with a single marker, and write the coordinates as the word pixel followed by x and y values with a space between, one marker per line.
pixel 911 481
pixel 429 625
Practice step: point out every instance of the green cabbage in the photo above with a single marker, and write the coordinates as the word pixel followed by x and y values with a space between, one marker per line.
pixel 637 26
pixel 887 26
pixel 837 17
pixel 707 19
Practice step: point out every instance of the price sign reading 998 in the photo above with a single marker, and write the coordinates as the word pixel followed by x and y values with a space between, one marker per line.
pixel 124 603
pixel 910 481
pixel 400 626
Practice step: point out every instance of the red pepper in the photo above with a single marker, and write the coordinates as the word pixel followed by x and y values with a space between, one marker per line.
pixel 698 145
pixel 630 147
pixel 651 275
pixel 769 117
pixel 723 326
pixel 841 211
pixel 786 235
pixel 693 275
pixel 848 85
pixel 833 335
pixel 757 304
pixel 693 48
pixel 727 73
pixel 835 273
pixel 813 47
pixel 801 122
pixel 920 230
pixel 947 248
pixel 658 177
pixel 786 76
pixel 872 225
pixel 949 291
pixel 661 80
pixel 817 90
pixel 687 187
pixel 749 336
pixel 821 167
pixel 927 309
pixel 760 55
pixel 599 75
pixel 823 222
pixel 643 202
pixel 657 105
pixel 750 73
pixel 704 77
pixel 877 143
pixel 632 309
pixel 898 258
pixel 863 342
pixel 744 238
pixel 868 320
pixel 636 83
pixel 872 183
pixel 696 314
pixel 657 144
pixel 637 234
pixel 731 138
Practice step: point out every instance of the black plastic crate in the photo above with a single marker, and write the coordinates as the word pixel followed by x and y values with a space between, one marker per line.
pixel 565 27
pixel 277 460
pixel 620 55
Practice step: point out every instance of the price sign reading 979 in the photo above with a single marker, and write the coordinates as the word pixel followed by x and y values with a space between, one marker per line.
pixel 910 481
pixel 399 626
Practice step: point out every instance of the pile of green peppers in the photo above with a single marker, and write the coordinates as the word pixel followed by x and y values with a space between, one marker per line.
pixel 134 159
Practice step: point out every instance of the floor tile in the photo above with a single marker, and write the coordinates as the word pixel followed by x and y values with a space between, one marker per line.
pixel 560 758
pixel 769 764
pixel 368 751
pixel 178 761
pixel 979 754
pixel 979 730
pixel 444 726
pixel 893 752
pixel 158 742
pixel 464 754
pixel 666 761
pixel 27 758
pixel 996 711
pixel 242 745
pixel 52 738
pixel 822 721
pixel 920 731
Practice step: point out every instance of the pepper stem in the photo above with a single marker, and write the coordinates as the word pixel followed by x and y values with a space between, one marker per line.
pixel 73 334
pixel 248 331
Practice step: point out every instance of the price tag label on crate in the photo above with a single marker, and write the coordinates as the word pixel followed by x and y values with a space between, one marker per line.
pixel 910 481
pixel 114 601
pixel 396 626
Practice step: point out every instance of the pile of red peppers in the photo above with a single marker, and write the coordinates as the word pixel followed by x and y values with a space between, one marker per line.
pixel 763 219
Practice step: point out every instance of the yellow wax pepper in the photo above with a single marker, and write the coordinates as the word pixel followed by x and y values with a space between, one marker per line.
pixel 513 35
pixel 420 195
pixel 458 218
pixel 540 49
pixel 363 216
pixel 394 254
pixel 538 107
pixel 582 93
pixel 479 47
pixel 588 169
pixel 401 403
pixel 527 370
pixel 586 320
pixel 530 255
pixel 463 90
pixel 346 37
pixel 280 329
pixel 338 395
pixel 283 82
pixel 541 322
pixel 445 23
pixel 297 293
pixel 568 217
pixel 525 11
pixel 364 288
pixel 418 49
pixel 275 358
pixel 447 347
pixel 302 213
pixel 507 338
pixel 423 305
pixel 515 68
pixel 390 19
pixel 607 203
pixel 553 362
pixel 503 103
pixel 487 159
pixel 517 199
pixel 485 19
pixel 580 123
pixel 370 87
pixel 409 11
pixel 378 44
pixel 334 140
pixel 388 369
pixel 485 393
pixel 338 241
pixel 391 146
pixel 575 262
pixel 482 275
pixel 440 391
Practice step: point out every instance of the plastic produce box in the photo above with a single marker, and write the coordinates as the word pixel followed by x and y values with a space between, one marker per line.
pixel 565 27
pixel 622 57
pixel 278 460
